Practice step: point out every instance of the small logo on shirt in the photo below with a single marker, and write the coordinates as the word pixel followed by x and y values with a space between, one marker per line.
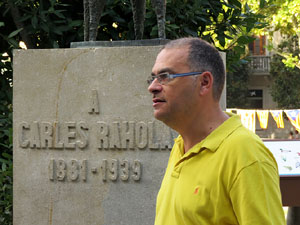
pixel 196 190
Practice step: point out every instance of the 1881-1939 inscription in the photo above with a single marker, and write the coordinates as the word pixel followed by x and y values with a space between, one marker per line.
pixel 109 169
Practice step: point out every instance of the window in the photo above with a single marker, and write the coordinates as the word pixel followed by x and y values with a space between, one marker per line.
pixel 257 47
pixel 255 98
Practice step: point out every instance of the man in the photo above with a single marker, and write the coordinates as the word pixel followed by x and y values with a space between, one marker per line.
pixel 218 172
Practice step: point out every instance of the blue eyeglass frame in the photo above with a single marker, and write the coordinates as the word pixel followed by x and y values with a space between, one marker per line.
pixel 152 77
pixel 184 74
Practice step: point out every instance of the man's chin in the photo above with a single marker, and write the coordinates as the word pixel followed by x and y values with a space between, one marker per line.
pixel 160 116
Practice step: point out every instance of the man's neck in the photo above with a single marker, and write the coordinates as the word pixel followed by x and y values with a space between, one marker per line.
pixel 198 128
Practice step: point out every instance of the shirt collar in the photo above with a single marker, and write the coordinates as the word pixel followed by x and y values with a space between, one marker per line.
pixel 215 138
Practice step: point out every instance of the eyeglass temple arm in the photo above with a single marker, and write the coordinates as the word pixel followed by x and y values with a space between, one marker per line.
pixel 184 74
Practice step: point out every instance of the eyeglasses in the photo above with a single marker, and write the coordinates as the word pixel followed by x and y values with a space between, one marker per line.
pixel 164 78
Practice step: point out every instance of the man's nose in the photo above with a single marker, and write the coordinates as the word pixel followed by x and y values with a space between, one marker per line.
pixel 155 87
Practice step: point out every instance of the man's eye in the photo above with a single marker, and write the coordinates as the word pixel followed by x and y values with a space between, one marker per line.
pixel 151 79
pixel 163 76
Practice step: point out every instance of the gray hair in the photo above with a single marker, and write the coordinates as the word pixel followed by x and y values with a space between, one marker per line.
pixel 203 57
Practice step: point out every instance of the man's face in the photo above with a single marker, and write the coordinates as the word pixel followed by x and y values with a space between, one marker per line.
pixel 175 100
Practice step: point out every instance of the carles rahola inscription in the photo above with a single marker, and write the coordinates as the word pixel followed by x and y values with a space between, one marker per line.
pixel 109 136
pixel 72 135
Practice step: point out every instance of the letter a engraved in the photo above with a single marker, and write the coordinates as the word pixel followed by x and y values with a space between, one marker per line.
pixel 94 103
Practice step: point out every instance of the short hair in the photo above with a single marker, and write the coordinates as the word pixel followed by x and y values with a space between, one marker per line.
pixel 203 57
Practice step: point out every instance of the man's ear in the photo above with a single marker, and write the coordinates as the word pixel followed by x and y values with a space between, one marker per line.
pixel 205 83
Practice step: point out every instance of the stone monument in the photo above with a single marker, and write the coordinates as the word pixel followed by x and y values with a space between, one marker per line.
pixel 87 150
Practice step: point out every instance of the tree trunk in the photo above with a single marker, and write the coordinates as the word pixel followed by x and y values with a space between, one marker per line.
pixel 138 10
pixel 160 10
pixel 86 16
pixel 95 10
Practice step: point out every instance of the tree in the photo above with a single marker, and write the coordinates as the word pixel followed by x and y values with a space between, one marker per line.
pixel 286 20
pixel 5 140
pixel 237 85
pixel 42 24
pixel 283 19
pixel 285 89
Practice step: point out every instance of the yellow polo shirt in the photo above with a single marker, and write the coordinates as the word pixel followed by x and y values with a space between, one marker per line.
pixel 228 178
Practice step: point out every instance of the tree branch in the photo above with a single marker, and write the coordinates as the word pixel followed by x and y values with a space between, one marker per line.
pixel 286 56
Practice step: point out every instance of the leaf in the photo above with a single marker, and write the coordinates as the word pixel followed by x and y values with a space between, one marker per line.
pixel 64 28
pixel 2 24
pixel 76 23
pixel 4 145
pixel 119 20
pixel 13 42
pixel 59 14
pixel 14 33
pixel 235 3
pixel 10 135
pixel 174 26
pixel 59 21
pixel 221 40
pixel 244 40
pixel 24 18
pixel 247 7
pixel 56 31
pixel 4 166
pixel 45 27
pixel 154 31
pixel 6 155
pixel 190 32
pixel 34 21
pixel 262 4
pixel 240 50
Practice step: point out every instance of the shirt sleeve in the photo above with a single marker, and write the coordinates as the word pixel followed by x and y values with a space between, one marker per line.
pixel 256 197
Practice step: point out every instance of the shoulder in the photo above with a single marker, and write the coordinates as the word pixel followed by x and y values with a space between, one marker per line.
pixel 245 148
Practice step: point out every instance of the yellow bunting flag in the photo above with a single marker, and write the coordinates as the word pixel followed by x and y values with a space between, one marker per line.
pixel 247 118
pixel 263 117
pixel 231 110
pixel 277 116
pixel 294 117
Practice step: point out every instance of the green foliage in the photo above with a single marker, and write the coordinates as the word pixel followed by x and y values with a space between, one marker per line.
pixel 286 80
pixel 116 12
pixel 226 24
pixel 52 24
pixel 283 18
pixel 237 85
pixel 5 141
pixel 6 195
